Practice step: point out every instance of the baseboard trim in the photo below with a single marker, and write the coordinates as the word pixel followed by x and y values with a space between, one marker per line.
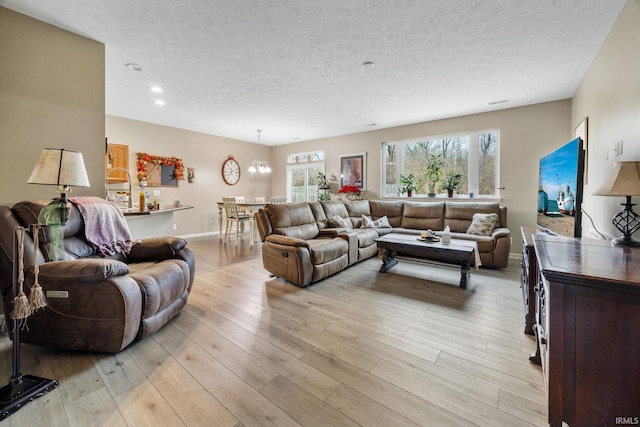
pixel 205 234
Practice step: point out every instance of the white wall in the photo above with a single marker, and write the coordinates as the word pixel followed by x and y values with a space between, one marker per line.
pixel 610 96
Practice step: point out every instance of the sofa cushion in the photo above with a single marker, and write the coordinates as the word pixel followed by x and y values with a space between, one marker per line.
pixel 356 209
pixel 333 208
pixel 337 221
pixel 326 250
pixel 459 215
pixel 292 219
pixel 319 215
pixel 423 215
pixel 366 237
pixel 483 224
pixel 392 209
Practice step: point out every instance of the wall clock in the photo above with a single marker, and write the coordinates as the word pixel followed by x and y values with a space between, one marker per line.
pixel 231 171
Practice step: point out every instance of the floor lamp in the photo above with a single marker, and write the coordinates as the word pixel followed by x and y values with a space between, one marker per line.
pixel 62 168
pixel 21 389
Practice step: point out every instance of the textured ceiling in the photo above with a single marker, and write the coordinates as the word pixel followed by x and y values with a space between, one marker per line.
pixel 293 68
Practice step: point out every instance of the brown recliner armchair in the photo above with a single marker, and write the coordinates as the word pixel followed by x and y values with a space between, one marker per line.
pixel 95 303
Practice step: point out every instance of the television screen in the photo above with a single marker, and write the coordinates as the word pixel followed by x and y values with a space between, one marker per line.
pixel 560 190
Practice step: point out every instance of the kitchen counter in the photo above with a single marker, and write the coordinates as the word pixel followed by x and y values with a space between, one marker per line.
pixel 153 223
pixel 136 212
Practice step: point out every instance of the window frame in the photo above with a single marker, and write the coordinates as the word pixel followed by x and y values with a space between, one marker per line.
pixel 473 165
pixel 303 165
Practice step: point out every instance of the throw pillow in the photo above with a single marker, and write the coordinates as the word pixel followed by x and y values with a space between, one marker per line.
pixel 339 222
pixel 483 224
pixel 382 222
pixel 366 222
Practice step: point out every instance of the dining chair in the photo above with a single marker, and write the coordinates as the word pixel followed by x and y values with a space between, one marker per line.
pixel 233 216
pixel 278 200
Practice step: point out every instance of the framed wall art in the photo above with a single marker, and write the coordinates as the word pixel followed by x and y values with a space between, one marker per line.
pixel 353 170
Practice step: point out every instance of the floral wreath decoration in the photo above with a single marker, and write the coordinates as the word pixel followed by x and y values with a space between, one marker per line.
pixel 143 160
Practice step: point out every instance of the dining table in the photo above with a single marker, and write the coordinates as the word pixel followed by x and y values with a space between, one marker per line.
pixel 251 207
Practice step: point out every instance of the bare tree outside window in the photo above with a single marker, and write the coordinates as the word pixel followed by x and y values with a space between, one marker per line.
pixel 487 147
pixel 472 155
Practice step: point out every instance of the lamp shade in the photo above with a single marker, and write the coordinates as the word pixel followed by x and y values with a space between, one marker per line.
pixel 624 180
pixel 57 166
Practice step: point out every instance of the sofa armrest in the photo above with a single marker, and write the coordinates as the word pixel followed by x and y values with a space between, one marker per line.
pixel 497 232
pixel 84 270
pixel 332 232
pixel 286 240
pixel 155 249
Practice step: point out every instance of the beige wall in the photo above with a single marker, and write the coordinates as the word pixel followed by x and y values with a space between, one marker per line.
pixel 526 134
pixel 610 96
pixel 51 95
pixel 205 153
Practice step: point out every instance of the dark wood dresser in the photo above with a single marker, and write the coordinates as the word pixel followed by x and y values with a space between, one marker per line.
pixel 588 329
pixel 529 278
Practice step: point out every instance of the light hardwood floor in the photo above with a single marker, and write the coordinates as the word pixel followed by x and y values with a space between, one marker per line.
pixel 407 347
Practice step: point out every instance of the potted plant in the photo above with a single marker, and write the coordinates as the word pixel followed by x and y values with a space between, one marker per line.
pixel 408 184
pixel 433 173
pixel 451 182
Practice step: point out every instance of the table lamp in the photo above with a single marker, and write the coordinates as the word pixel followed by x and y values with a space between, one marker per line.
pixel 624 181
pixel 64 168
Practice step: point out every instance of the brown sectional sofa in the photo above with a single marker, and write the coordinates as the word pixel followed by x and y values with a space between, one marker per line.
pixel 301 245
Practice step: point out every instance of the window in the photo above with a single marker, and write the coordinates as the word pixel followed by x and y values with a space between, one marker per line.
pixel 310 156
pixel 474 155
pixel 303 175
pixel 302 181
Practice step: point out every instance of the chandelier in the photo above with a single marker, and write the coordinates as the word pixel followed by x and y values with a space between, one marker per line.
pixel 261 166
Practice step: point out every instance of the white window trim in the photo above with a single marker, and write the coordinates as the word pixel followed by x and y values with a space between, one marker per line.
pixel 474 161
pixel 301 165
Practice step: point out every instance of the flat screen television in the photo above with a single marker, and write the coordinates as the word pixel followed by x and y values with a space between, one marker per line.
pixel 560 190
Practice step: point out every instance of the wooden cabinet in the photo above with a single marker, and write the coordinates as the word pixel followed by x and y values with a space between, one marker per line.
pixel 528 278
pixel 588 319
pixel 117 156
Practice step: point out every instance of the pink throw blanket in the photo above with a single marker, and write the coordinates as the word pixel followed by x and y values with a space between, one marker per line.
pixel 105 227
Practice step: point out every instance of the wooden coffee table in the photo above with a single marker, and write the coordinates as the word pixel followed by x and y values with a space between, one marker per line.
pixel 459 252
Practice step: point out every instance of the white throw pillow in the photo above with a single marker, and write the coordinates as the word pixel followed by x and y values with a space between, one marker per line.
pixel 382 222
pixel 483 224
pixel 339 222
pixel 366 222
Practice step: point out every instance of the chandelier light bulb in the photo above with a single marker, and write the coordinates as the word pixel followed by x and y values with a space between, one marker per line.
pixel 261 166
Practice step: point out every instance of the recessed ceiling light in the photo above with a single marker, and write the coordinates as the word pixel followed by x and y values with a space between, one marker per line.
pixel 368 65
pixel 502 101
pixel 134 67
pixel 159 102
pixel 155 89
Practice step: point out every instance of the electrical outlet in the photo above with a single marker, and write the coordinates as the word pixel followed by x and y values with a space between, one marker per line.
pixel 156 193
pixel 175 226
